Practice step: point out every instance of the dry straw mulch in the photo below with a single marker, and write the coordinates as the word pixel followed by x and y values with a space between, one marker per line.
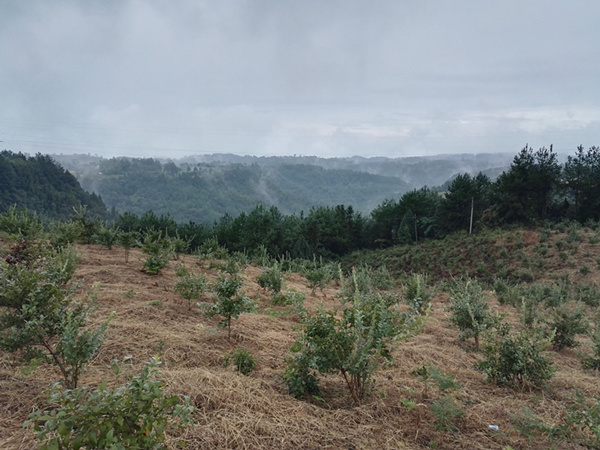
pixel 254 412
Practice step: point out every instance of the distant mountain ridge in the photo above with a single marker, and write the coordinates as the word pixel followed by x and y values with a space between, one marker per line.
pixel 203 188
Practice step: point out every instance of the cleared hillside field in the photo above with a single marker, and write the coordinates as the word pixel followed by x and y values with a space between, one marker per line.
pixel 256 412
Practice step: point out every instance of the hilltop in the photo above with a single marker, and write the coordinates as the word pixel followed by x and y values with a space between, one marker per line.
pixel 255 411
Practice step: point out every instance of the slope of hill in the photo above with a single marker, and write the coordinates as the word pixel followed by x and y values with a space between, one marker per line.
pixel 204 188
pixel 41 185
pixel 236 411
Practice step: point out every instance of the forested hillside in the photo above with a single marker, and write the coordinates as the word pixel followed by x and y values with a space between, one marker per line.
pixel 203 188
pixel 39 184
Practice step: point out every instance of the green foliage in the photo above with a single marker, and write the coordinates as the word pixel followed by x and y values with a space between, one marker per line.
pixel 107 237
pixel 127 240
pixel 39 319
pixel 191 287
pixel 352 345
pixel 210 249
pixel 416 293
pixel 159 251
pixel 446 411
pixel 63 234
pixel 317 274
pixel 469 311
pixel 443 381
pixel 39 184
pixel 580 424
pixel 592 362
pixel 567 324
pixel 134 415
pixel 19 222
pixel 242 360
pixel 270 278
pixel 86 227
pixel 230 301
pixel 516 357
pixel 289 297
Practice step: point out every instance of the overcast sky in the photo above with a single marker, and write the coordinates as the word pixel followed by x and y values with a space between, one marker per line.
pixel 307 77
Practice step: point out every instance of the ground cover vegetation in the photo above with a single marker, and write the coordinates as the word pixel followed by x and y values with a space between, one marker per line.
pixel 437 338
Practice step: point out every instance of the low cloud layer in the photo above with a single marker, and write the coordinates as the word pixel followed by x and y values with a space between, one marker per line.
pixel 327 78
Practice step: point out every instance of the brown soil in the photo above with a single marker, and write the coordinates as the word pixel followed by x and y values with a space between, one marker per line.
pixel 255 412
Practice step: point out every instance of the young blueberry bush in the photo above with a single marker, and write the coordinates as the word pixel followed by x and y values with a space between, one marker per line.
pixel 469 311
pixel 351 343
pixel 230 301
pixel 516 358
pixel 39 319
pixel 135 415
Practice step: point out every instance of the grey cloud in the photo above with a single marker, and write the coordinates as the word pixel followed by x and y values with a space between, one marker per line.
pixel 307 77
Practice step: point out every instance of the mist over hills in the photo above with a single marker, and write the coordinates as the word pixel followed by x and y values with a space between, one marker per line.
pixel 203 188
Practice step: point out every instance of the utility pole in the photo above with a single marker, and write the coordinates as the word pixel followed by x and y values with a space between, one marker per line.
pixel 471 221
pixel 416 235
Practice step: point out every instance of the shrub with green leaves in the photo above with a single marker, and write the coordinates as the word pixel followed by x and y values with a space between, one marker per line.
pixel 567 324
pixel 19 222
pixel 446 412
pixel 580 424
pixel 230 302
pixel 191 287
pixel 592 362
pixel 352 344
pixel 107 237
pixel 416 293
pixel 87 227
pixel 39 320
pixel 317 275
pixel 134 415
pixel 127 240
pixel 270 278
pixel 159 251
pixel 289 297
pixel 516 357
pixel 242 360
pixel 469 311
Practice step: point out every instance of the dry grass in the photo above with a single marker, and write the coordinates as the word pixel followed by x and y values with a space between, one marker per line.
pixel 254 412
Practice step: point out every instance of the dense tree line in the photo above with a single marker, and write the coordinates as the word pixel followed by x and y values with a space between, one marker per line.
pixel 39 184
pixel 536 188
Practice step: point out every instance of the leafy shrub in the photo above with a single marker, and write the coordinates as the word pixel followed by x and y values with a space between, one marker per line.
pixel 580 425
pixel 63 234
pixel 39 318
pixel 242 360
pixel 592 361
pixel 352 345
pixel 191 287
pixel 515 358
pixel 317 275
pixel 416 293
pixel 210 249
pixel 270 278
pixel 127 240
pixel 469 311
pixel 588 294
pixel 442 380
pixel 20 223
pixel 446 412
pixel 107 237
pixel 566 325
pixel 135 415
pixel 289 297
pixel 159 251
pixel 230 302
pixel 86 227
